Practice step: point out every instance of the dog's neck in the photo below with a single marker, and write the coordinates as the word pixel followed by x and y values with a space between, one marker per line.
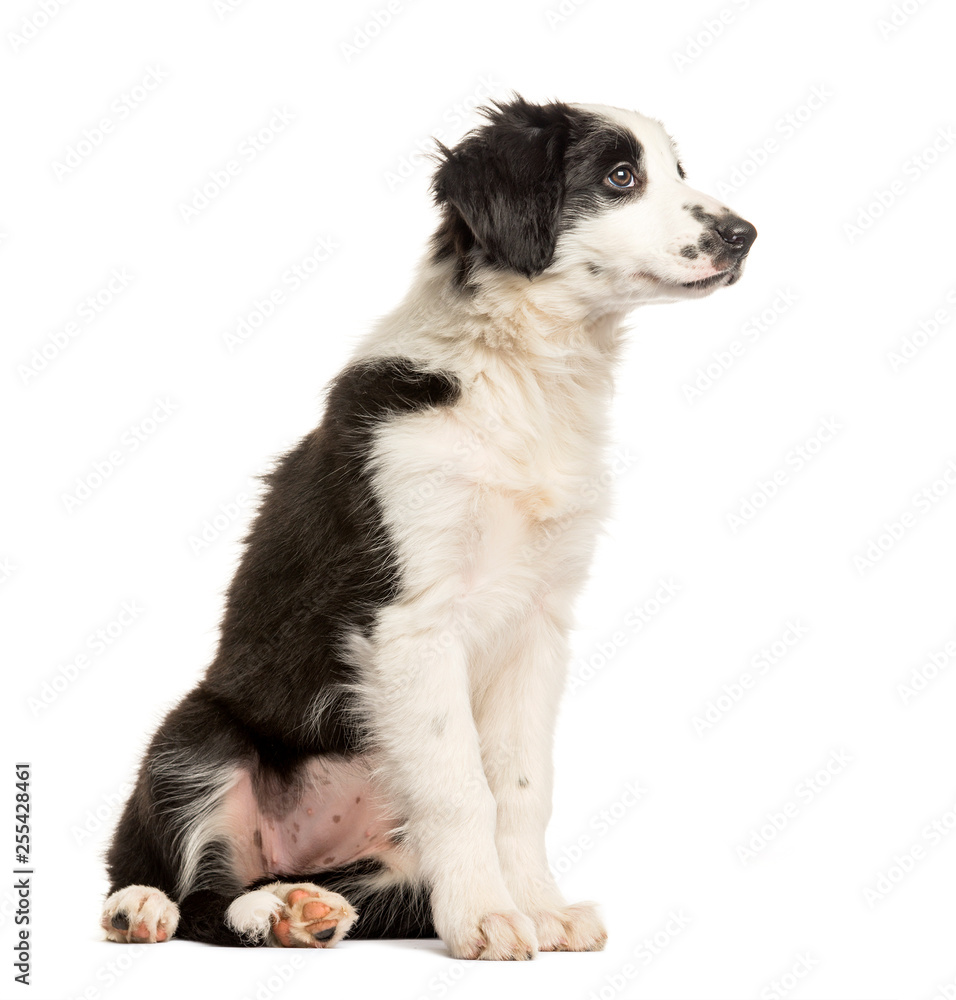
pixel 534 321
pixel 538 315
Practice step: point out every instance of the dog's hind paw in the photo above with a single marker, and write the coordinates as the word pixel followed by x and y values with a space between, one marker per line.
pixel 292 915
pixel 139 914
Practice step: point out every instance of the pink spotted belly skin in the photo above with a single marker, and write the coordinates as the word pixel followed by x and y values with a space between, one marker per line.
pixel 332 815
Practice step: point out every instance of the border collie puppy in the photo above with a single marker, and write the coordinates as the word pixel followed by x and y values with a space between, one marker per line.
pixel 370 750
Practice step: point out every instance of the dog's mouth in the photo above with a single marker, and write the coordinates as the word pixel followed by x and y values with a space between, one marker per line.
pixel 726 277
pixel 722 278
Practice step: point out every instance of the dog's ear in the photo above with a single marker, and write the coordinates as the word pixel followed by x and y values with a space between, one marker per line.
pixel 506 183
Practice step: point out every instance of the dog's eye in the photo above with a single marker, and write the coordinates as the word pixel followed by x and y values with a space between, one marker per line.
pixel 621 177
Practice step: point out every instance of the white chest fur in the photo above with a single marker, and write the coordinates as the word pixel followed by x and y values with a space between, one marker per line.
pixel 491 502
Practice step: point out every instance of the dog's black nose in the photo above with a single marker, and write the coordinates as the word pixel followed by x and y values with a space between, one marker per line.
pixel 737 233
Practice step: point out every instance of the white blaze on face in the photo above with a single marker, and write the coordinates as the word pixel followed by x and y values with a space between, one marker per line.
pixel 635 247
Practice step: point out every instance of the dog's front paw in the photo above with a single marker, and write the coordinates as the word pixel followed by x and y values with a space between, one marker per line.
pixel 139 914
pixel 506 936
pixel 570 928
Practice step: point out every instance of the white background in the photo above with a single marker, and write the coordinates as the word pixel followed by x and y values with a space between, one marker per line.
pixel 811 119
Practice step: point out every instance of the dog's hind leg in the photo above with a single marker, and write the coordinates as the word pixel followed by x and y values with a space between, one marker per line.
pixel 171 840
pixel 139 914
pixel 286 914
pixel 390 902
pixel 291 915
pixel 318 910
pixel 189 855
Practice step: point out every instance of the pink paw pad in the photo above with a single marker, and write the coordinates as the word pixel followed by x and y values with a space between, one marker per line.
pixel 312 918
pixel 140 915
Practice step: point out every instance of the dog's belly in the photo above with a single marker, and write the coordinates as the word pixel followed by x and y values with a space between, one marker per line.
pixel 333 815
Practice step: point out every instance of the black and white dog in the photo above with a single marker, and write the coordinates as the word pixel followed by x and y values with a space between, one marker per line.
pixel 372 744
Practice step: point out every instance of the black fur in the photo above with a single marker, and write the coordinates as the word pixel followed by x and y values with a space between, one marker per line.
pixel 318 562
pixel 506 183
pixel 145 848
pixel 508 188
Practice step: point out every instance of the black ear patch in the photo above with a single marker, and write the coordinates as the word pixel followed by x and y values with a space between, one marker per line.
pixel 502 188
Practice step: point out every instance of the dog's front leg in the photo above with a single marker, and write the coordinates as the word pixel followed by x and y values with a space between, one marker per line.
pixel 516 712
pixel 416 693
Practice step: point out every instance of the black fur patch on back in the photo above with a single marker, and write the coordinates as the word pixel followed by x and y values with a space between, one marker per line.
pixel 509 187
pixel 318 565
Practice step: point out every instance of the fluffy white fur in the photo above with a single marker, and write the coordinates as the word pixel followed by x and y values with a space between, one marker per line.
pixel 255 914
pixel 151 915
pixel 491 508
pixel 468 669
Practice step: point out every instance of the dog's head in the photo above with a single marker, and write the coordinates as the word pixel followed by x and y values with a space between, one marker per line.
pixel 593 194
